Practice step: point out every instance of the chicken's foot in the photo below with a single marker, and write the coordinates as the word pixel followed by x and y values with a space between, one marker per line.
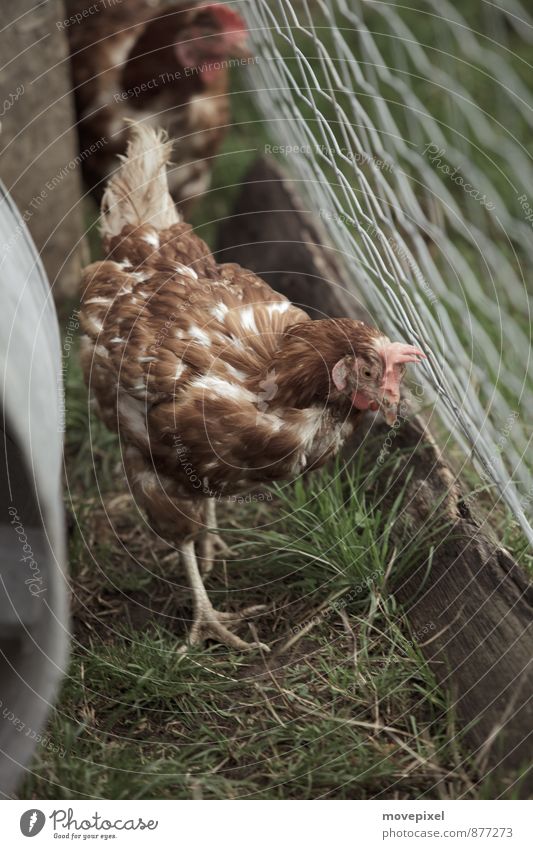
pixel 211 624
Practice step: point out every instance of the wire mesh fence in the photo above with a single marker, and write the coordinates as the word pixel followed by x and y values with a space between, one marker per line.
pixel 426 189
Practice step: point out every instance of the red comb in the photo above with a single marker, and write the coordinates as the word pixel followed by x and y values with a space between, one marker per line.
pixel 396 352
pixel 229 20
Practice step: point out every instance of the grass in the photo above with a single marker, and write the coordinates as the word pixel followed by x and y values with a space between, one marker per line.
pixel 344 706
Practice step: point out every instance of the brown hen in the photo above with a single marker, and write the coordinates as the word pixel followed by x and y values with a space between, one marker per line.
pixel 165 65
pixel 215 383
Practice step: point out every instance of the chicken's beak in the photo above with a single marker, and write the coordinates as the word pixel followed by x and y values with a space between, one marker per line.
pixel 390 397
pixel 389 408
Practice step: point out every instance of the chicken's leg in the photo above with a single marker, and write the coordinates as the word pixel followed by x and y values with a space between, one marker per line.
pixel 208 622
pixel 211 544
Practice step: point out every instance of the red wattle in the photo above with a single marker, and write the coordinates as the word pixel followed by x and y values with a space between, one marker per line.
pixel 361 402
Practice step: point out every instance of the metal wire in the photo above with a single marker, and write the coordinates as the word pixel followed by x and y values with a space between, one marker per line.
pixel 440 262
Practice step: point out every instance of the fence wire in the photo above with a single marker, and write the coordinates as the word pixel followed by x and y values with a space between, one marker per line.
pixel 405 130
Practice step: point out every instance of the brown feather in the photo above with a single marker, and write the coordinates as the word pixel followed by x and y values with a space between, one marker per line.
pixel 213 380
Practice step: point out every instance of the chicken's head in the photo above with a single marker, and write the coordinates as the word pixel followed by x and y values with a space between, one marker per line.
pixel 372 377
pixel 215 34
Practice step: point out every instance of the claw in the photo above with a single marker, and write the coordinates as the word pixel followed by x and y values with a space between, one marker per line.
pixel 209 625
pixel 220 547
pixel 239 616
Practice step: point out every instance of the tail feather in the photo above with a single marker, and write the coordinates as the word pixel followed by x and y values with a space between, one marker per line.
pixel 138 192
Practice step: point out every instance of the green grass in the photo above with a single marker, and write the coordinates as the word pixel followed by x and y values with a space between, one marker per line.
pixel 343 707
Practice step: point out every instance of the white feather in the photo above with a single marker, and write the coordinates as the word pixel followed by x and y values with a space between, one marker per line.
pixel 138 192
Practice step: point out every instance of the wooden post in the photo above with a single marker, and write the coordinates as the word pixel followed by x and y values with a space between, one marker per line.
pixel 39 157
pixel 472 590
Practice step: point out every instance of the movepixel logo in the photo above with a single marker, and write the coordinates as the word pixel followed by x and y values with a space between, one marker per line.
pixel 32 822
